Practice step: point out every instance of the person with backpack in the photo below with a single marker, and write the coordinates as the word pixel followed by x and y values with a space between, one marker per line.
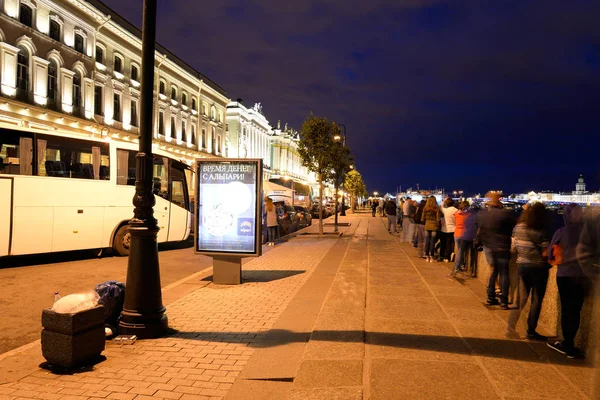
pixel 390 209
pixel 464 234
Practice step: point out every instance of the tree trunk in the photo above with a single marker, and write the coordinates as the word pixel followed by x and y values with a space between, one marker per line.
pixel 320 204
pixel 336 189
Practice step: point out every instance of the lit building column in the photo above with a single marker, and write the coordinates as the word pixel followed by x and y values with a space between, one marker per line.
pixel 40 80
pixel 88 97
pixel 8 68
pixel 66 90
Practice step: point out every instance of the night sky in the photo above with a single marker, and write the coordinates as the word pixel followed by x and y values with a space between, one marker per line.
pixel 472 95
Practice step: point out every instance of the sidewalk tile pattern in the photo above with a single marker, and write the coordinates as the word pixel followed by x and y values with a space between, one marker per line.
pixel 218 329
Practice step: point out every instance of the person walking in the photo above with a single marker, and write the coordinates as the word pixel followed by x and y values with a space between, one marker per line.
pixel 374 205
pixel 272 223
pixel 495 230
pixel 420 228
pixel 390 210
pixel 431 216
pixel 573 285
pixel 447 231
pixel 530 241
pixel 464 234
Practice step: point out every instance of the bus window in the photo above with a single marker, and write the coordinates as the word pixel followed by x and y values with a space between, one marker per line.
pixel 179 193
pixel 72 158
pixel 126 172
pixel 16 153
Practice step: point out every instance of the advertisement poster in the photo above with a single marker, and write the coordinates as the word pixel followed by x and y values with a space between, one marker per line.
pixel 228 219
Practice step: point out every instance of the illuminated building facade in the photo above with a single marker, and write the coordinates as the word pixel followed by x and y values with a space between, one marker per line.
pixel 249 134
pixel 73 66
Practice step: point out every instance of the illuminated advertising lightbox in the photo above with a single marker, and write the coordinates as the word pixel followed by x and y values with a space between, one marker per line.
pixel 228 207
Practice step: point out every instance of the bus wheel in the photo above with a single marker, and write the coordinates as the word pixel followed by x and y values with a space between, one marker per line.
pixel 122 241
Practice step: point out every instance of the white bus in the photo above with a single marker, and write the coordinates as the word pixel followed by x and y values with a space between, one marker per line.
pixel 61 193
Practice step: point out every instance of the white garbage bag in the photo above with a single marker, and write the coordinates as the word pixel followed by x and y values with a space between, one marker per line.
pixel 77 302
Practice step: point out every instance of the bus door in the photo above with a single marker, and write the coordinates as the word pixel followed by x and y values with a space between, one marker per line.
pixel 161 196
pixel 5 214
pixel 180 203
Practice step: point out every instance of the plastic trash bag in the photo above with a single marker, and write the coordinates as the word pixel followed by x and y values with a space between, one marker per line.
pixel 77 302
pixel 112 297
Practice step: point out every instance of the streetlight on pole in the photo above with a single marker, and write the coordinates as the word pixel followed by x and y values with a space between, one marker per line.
pixel 337 138
pixel 143 312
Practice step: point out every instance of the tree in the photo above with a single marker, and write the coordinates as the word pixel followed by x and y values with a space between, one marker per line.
pixel 316 148
pixel 355 185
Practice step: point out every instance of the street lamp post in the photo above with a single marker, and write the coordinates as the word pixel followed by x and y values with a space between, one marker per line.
pixel 143 312
pixel 343 212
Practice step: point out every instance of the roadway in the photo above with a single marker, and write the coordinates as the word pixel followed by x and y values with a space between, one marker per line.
pixel 27 284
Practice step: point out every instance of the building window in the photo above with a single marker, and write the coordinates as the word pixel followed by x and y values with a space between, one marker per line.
pixel 117 107
pixel 184 99
pixel 55 30
pixel 26 15
pixel 77 90
pixel 134 113
pixel 118 67
pixel 205 109
pixel 173 132
pixel 99 55
pixel 52 86
pixel 174 93
pixel 194 103
pixel 79 43
pixel 134 73
pixel 214 113
pixel 183 134
pixel 219 144
pixel 203 144
pixel 98 100
pixel 161 123
pixel 194 138
pixel 23 69
pixel 162 88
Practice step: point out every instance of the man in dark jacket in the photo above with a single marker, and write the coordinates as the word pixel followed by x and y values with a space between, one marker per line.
pixel 390 209
pixel 495 231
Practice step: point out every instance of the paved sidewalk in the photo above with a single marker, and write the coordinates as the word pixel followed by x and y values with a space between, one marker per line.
pixel 356 317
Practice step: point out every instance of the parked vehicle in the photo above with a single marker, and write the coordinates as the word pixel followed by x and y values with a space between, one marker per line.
pixel 288 219
pixel 314 212
pixel 305 219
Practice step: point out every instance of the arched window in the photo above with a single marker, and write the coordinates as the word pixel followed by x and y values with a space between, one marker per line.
pixel 54 30
pixel 79 43
pixel 194 105
pixel 203 143
pixel 23 69
pixel 77 91
pixel 174 93
pixel 162 87
pixel 214 113
pixel 26 15
pixel 99 54
pixel 52 84
pixel 118 65
pixel 134 73
pixel 184 99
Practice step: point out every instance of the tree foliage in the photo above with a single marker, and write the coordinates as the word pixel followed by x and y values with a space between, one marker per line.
pixel 354 184
pixel 316 146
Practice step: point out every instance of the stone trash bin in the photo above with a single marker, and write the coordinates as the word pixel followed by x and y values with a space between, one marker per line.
pixel 70 340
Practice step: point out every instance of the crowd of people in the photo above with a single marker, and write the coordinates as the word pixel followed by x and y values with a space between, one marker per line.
pixel 455 232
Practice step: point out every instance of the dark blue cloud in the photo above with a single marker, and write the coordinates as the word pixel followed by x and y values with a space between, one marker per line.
pixel 469 94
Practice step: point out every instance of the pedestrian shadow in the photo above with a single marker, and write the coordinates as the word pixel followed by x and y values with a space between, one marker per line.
pixel 267 275
pixel 467 346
